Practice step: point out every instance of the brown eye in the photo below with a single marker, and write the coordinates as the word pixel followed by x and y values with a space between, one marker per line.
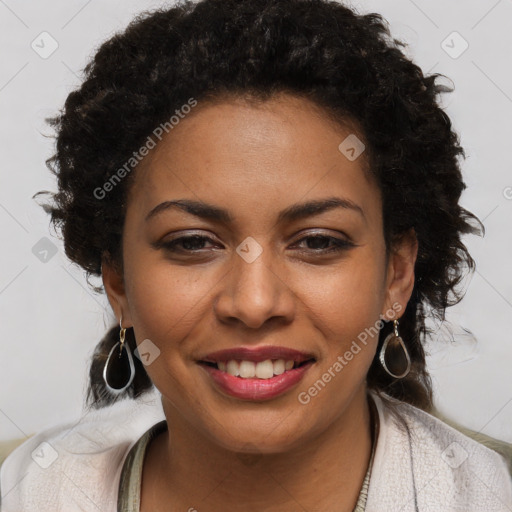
pixel 186 244
pixel 320 244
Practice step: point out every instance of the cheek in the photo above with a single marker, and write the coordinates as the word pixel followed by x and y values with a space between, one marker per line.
pixel 346 308
pixel 165 300
pixel 350 297
pixel 166 306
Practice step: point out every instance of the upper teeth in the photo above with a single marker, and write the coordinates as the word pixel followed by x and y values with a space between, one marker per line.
pixel 250 369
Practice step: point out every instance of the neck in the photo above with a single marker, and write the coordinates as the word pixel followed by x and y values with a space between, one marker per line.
pixel 324 473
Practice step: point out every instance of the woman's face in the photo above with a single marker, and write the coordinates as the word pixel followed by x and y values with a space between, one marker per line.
pixel 256 276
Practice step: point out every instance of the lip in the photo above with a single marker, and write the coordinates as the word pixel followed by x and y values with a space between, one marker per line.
pixel 257 354
pixel 253 388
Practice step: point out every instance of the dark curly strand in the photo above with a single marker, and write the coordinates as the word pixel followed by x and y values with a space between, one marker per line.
pixel 345 62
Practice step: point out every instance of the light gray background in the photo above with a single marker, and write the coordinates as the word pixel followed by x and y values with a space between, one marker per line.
pixel 50 321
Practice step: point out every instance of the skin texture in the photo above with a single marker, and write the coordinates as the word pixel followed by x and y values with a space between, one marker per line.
pixel 256 160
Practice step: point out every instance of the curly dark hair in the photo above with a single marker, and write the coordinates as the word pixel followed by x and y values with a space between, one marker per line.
pixel 345 62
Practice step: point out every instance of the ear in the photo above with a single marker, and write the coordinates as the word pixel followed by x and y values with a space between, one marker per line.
pixel 113 282
pixel 400 275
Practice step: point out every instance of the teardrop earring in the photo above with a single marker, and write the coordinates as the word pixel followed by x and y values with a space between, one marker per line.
pixel 119 370
pixel 393 344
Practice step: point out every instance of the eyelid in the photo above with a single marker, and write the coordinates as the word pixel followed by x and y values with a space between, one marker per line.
pixel 335 241
pixel 297 236
pixel 336 244
pixel 186 233
pixel 323 232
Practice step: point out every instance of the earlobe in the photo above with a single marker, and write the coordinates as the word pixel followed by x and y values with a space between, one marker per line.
pixel 113 283
pixel 400 272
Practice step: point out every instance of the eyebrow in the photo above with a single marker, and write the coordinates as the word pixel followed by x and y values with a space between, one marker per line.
pixel 292 213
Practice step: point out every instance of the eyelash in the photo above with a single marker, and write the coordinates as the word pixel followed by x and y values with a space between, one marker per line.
pixel 339 244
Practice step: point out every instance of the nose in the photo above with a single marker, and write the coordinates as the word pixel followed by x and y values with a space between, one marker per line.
pixel 255 293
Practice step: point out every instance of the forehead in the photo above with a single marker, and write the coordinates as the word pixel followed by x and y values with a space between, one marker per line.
pixel 263 154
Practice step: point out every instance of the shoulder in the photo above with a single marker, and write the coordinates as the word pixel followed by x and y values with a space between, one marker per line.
pixel 497 445
pixel 76 466
pixel 440 466
pixel 442 433
pixel 6 447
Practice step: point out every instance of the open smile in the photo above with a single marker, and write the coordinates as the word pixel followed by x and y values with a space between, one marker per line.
pixel 256 374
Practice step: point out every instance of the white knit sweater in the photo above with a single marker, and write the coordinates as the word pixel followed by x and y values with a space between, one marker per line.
pixel 421 464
